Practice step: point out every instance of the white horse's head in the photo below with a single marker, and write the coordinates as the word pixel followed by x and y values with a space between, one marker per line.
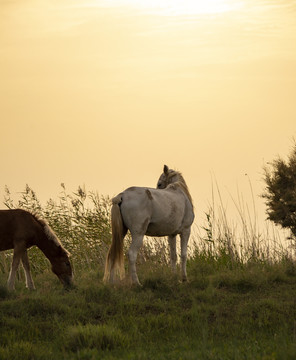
pixel 168 176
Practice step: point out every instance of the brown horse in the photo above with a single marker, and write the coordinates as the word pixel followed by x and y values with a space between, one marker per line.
pixel 19 230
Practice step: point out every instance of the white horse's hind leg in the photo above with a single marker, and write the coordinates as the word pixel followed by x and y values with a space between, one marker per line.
pixel 29 281
pixel 137 241
pixel 173 252
pixel 184 242
pixel 14 266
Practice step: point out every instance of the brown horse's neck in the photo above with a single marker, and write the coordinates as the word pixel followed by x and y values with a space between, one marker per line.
pixel 48 247
pixel 51 248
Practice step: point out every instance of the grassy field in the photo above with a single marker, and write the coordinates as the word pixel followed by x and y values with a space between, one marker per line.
pixel 221 313
pixel 238 303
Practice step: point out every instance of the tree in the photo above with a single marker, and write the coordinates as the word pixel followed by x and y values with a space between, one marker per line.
pixel 280 192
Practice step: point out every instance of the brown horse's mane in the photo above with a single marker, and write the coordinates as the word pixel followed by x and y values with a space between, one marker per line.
pixel 180 183
pixel 51 236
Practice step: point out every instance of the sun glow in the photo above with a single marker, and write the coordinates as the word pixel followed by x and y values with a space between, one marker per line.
pixel 184 7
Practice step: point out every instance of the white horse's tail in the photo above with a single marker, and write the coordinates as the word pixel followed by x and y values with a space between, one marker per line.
pixel 115 261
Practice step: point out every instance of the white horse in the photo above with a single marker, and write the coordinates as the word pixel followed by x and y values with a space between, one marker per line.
pixel 165 211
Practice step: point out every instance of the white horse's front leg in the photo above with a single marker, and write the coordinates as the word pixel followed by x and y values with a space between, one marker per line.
pixel 173 252
pixel 184 242
pixel 14 266
pixel 137 241
pixel 29 281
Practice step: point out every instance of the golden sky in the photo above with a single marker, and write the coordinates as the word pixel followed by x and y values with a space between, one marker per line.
pixel 103 93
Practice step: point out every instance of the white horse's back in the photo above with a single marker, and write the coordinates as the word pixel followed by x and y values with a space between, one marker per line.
pixel 156 212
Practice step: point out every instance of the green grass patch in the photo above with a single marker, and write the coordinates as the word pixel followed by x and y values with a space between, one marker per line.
pixel 91 336
pixel 244 313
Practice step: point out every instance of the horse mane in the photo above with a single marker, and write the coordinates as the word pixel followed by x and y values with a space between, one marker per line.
pixel 180 183
pixel 49 233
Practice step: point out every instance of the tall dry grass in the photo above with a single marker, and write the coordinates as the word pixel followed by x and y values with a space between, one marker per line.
pixel 82 222
pixel 241 237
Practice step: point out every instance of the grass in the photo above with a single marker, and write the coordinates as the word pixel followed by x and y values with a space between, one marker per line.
pixel 239 303
pixel 246 313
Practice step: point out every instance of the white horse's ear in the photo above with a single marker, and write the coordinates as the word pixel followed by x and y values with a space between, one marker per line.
pixel 165 169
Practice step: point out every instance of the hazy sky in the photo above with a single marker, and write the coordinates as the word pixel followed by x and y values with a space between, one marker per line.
pixel 104 93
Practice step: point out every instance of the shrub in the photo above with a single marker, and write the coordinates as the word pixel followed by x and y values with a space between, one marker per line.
pixel 280 192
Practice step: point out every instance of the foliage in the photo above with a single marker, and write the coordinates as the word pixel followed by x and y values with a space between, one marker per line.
pixel 280 193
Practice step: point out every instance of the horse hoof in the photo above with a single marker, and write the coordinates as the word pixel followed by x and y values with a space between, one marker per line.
pixel 137 284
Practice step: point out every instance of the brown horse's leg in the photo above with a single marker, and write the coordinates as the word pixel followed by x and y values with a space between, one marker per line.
pixel 18 251
pixel 29 281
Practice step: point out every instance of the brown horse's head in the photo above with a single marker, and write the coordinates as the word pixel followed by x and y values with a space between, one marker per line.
pixel 61 266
